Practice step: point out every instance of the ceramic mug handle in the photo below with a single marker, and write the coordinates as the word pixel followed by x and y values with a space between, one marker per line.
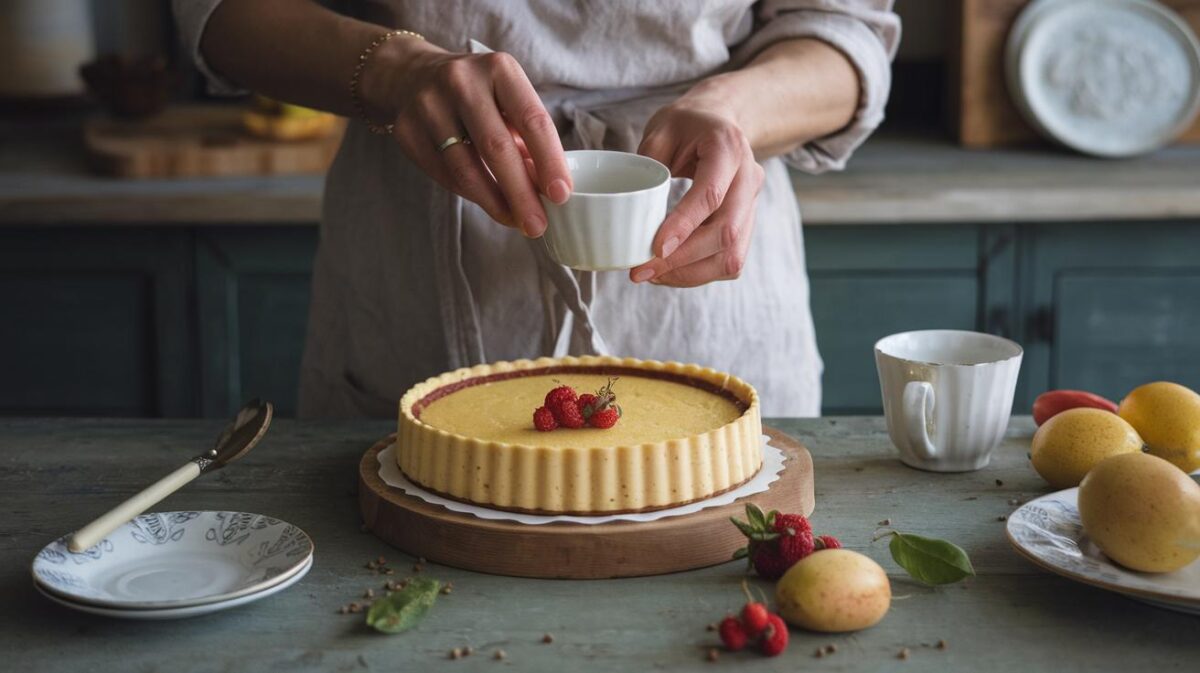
pixel 918 406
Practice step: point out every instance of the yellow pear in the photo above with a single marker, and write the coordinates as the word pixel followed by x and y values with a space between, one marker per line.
pixel 834 590
pixel 1142 512
pixel 1167 416
pixel 1073 441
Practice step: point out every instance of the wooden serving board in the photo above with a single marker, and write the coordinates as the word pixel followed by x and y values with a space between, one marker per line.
pixel 568 550
pixel 198 141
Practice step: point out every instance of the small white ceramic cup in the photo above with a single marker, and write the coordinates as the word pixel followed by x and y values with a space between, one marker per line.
pixel 614 211
pixel 947 395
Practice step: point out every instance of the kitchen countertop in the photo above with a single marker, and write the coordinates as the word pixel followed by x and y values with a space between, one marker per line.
pixel 894 178
pixel 57 473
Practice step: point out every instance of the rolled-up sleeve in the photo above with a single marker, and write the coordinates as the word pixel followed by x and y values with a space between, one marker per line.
pixel 191 16
pixel 866 31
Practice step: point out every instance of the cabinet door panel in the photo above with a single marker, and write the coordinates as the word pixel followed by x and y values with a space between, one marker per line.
pixel 1115 331
pixel 852 312
pixel 873 280
pixel 253 293
pixel 95 321
pixel 1113 305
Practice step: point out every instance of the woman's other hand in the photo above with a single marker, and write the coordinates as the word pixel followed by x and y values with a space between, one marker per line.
pixel 707 236
pixel 431 95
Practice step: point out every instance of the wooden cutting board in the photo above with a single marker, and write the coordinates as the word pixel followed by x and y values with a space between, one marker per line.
pixel 199 141
pixel 984 114
pixel 572 550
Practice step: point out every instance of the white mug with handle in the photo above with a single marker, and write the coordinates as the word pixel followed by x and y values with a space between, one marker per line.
pixel 947 395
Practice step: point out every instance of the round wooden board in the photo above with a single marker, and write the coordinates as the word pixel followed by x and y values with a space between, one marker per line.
pixel 570 550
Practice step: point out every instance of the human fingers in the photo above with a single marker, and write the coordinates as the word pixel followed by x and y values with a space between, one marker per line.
pixel 524 111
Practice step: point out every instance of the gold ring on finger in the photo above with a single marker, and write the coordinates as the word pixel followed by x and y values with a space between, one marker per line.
pixel 454 140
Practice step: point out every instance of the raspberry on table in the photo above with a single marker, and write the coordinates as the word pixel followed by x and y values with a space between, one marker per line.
pixel 732 634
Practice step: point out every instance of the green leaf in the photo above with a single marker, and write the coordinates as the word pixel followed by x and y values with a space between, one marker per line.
pixel 741 552
pixel 404 609
pixel 746 528
pixel 755 516
pixel 930 560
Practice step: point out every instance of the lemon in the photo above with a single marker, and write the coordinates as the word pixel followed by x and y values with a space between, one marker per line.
pixel 1074 441
pixel 1142 512
pixel 1167 416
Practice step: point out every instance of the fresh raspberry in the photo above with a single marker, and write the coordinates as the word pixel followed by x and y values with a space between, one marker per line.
pixel 775 638
pixel 796 522
pixel 795 536
pixel 567 413
pixel 828 542
pixel 732 634
pixel 559 395
pixel 543 420
pixel 605 418
pixel 754 618
pixel 587 402
pixel 769 563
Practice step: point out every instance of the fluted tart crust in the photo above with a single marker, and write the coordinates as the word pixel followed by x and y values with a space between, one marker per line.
pixel 687 433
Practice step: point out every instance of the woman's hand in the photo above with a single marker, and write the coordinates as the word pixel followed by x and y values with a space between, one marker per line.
pixel 707 236
pixel 431 94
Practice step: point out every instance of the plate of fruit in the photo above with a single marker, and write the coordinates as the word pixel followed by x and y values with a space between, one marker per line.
pixel 1128 517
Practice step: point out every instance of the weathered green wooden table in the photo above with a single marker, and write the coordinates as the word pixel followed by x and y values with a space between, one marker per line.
pixel 55 474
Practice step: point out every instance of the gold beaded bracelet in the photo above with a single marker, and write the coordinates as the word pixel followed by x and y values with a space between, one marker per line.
pixel 355 98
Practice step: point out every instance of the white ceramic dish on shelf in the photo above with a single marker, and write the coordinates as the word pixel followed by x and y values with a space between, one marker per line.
pixel 1048 532
pixel 172 560
pixel 1110 78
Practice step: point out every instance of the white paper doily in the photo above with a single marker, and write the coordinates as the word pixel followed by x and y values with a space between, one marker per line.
pixel 772 465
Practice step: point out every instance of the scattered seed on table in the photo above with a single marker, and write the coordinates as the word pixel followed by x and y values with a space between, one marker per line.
pixel 971 497
pixel 355 607
pixel 885 522
pixel 417 568
pixel 456 653
pixel 1014 501
pixel 820 652
pixel 548 638
pixel 711 627
pixel 371 565
pixel 498 655
pixel 369 593
pixel 903 653
pixel 421 560
pixel 381 561
pixel 830 648
pixel 1001 518
pixel 343 610
pixel 859 469
pixel 999 482
pixel 942 644
pixel 713 654
pixel 468 651
pixel 389 571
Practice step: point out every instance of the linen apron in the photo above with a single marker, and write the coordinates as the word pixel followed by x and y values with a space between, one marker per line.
pixel 411 280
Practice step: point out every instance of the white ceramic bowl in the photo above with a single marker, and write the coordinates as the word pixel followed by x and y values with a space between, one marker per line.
pixel 614 212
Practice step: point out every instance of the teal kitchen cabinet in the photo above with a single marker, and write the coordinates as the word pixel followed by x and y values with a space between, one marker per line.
pixel 871 281
pixel 96 322
pixel 252 287
pixel 1110 306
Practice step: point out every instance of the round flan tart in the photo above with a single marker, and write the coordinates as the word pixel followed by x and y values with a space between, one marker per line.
pixel 685 433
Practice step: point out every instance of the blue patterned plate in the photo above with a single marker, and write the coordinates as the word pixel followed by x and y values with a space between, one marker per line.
pixel 1048 532
pixel 174 560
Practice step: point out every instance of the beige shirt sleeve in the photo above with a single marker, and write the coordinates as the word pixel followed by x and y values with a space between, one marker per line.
pixel 191 17
pixel 866 31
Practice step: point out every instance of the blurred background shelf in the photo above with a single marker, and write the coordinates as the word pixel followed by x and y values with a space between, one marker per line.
pixel 181 297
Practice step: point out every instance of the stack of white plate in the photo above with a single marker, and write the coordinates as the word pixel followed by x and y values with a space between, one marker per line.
pixel 169 565
pixel 1111 78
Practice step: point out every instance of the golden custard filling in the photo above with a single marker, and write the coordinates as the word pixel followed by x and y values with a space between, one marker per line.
pixel 653 410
